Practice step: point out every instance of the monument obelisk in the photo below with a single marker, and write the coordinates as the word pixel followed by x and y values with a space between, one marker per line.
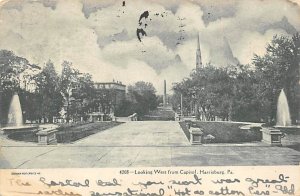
pixel 198 55
pixel 165 94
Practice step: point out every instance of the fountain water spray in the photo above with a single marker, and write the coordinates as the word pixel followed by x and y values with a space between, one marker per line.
pixel 283 112
pixel 15 128
pixel 15 117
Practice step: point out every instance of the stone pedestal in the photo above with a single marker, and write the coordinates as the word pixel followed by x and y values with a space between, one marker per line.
pixel 177 117
pixel 271 136
pixel 196 136
pixel 47 136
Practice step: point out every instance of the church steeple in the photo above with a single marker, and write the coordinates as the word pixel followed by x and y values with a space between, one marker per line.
pixel 198 55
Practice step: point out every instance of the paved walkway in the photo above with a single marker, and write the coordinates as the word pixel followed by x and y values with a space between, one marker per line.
pixel 139 133
pixel 140 144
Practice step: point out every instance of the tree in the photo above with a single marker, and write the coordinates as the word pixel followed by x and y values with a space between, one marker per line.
pixel 245 104
pixel 77 90
pixel 279 69
pixel 215 92
pixel 242 92
pixel 207 93
pixel 141 99
pixel 11 67
pixel 183 89
pixel 48 92
pixel 126 108
pixel 84 96
pixel 68 83
pixel 13 70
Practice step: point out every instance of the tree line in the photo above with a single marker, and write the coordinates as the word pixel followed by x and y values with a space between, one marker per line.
pixel 245 92
pixel 44 93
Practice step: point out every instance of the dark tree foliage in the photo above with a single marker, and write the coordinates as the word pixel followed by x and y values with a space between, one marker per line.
pixel 43 92
pixel 11 68
pixel 141 99
pixel 279 69
pixel 245 105
pixel 126 108
pixel 84 95
pixel 49 99
pixel 209 90
pixel 13 77
pixel 77 90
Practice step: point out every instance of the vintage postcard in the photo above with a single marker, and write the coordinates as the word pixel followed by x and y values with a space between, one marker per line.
pixel 167 97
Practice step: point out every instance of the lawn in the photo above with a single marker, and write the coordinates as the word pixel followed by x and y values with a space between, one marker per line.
pixel 69 133
pixel 224 132
pixel 26 136
pixel 291 139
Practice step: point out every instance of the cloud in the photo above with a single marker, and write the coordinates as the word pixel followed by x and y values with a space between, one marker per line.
pixel 253 42
pixel 250 29
pixel 152 51
pixel 267 12
pixel 99 37
pixel 215 10
pixel 39 33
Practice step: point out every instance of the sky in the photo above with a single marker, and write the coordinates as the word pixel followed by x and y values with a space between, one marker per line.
pixel 100 37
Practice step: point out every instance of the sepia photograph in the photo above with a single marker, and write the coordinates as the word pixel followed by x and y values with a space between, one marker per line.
pixel 149 83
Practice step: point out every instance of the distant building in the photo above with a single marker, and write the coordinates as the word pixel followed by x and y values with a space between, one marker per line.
pixel 109 96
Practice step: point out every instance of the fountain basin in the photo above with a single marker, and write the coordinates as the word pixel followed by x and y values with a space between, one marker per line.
pixel 23 128
pixel 24 133
pixel 288 128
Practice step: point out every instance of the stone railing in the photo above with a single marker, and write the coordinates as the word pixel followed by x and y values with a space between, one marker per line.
pixel 133 117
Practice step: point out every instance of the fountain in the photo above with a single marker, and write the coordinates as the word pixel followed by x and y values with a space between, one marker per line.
pixel 273 135
pixel 283 112
pixel 15 118
pixel 16 129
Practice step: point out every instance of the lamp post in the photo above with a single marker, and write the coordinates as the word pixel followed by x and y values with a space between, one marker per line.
pixel 181 106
